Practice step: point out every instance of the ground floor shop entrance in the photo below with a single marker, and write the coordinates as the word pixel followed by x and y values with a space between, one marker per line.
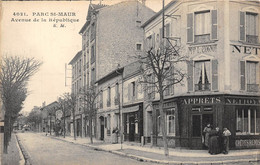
pixel 133 123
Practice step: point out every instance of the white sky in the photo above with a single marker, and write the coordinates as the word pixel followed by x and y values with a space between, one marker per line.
pixel 53 46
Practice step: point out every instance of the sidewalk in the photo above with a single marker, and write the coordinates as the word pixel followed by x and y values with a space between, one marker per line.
pixel 176 155
pixel 14 156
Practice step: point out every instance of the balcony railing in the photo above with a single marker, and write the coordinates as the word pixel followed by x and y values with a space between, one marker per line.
pixel 202 87
pixel 252 39
pixel 252 87
pixel 202 38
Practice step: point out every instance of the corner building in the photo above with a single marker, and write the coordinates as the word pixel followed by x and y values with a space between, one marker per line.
pixel 221 39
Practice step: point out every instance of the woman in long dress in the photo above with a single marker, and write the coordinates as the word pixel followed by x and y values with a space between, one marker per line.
pixel 206 132
pixel 214 141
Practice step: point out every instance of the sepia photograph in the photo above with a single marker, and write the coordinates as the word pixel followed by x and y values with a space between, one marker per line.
pixel 112 82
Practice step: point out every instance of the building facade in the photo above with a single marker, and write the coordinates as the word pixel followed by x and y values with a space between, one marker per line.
pixel 221 39
pixel 111 35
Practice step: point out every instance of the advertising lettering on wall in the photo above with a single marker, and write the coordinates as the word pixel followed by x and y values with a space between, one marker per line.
pixel 202 100
pixel 245 49
pixel 202 49
pixel 247 143
pixel 242 101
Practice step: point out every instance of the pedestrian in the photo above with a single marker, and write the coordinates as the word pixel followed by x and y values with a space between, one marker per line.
pixel 215 141
pixel 226 134
pixel 206 132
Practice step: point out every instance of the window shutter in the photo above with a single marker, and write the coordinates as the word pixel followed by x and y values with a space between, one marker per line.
pixel 190 27
pixel 190 75
pixel 242 75
pixel 136 90
pixel 214 75
pixel 129 91
pixel 214 25
pixel 242 26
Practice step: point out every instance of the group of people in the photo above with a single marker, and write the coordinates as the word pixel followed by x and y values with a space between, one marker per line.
pixel 215 140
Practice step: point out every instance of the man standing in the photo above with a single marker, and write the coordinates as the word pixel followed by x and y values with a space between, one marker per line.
pixel 226 134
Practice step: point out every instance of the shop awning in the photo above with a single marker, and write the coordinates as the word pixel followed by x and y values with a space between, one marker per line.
pixel 130 109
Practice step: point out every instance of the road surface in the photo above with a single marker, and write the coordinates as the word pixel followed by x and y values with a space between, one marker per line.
pixel 44 150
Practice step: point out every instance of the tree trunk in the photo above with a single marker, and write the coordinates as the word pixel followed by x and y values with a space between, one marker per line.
pixel 163 121
pixel 90 123
pixel 6 134
pixel 64 123
pixel 85 126
pixel 74 125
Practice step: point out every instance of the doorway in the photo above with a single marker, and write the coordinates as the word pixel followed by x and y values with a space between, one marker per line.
pixel 102 127
pixel 131 128
pixel 198 122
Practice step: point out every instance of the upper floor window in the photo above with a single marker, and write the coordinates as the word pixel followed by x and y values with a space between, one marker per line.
pixel 249 27
pixel 92 31
pixel 93 76
pixel 108 96
pixel 117 94
pixel 202 75
pixel 150 42
pixel 138 47
pixel 101 99
pixel 92 54
pixel 132 91
pixel 202 26
pixel 248 76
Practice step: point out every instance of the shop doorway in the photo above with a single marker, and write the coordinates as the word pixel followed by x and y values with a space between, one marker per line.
pixel 78 127
pixel 198 122
pixel 102 127
pixel 131 128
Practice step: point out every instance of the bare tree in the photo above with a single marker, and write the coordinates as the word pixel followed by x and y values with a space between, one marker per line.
pixel 89 102
pixel 161 69
pixel 64 106
pixel 71 100
pixel 14 76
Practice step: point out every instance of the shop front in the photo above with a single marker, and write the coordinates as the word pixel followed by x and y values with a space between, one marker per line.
pixel 133 123
pixel 240 114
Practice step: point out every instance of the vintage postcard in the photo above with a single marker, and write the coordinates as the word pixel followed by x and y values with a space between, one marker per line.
pixel 130 82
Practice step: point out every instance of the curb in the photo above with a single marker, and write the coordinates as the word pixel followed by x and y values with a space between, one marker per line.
pixel 145 159
pixel 24 152
pixel 22 160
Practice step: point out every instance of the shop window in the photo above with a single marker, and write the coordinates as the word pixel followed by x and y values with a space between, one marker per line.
pixel 170 120
pixel 247 122
pixel 249 27
pixel 202 76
